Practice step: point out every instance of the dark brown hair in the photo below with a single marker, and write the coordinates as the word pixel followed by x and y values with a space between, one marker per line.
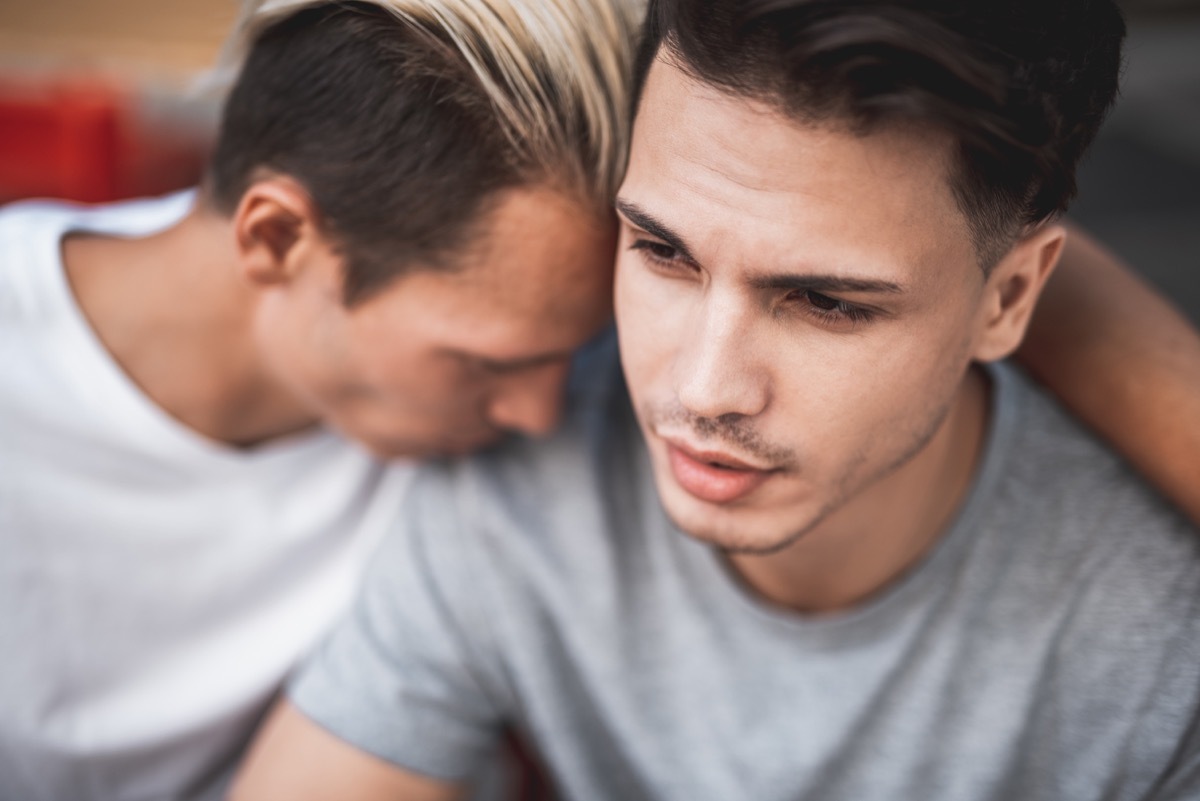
pixel 386 130
pixel 1021 86
pixel 405 120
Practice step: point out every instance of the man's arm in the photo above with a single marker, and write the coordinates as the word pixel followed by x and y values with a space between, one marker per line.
pixel 296 759
pixel 1125 362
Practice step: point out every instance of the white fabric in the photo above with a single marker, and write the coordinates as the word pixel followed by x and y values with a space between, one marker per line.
pixel 155 586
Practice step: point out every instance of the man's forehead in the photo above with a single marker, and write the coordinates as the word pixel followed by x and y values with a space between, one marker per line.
pixel 754 178
pixel 534 242
pixel 680 111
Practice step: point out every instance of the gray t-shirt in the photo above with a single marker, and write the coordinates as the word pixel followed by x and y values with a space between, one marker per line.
pixel 1048 647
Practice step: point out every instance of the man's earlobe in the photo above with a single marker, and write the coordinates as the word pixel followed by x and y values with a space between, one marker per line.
pixel 1013 288
pixel 273 220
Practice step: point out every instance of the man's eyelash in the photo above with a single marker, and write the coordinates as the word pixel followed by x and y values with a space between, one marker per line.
pixel 824 308
pixel 659 251
pixel 831 310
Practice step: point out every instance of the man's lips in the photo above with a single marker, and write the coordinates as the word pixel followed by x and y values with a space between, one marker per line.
pixel 713 476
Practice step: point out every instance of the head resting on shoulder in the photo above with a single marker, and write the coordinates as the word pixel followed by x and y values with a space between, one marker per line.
pixel 420 194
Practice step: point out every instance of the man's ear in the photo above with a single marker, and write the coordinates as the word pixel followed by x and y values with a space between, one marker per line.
pixel 276 225
pixel 1012 291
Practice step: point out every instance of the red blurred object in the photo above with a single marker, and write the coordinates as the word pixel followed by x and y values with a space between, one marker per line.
pixel 81 140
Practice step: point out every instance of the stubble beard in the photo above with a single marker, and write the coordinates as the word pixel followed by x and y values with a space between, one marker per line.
pixel 849 486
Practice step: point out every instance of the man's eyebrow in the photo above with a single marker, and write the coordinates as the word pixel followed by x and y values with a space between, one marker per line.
pixel 825 283
pixel 814 283
pixel 652 226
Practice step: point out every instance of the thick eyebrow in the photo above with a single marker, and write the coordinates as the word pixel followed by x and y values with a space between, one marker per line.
pixel 824 283
pixel 652 226
pixel 782 282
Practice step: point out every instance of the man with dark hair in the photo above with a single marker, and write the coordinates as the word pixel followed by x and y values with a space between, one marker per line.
pixel 405 233
pixel 824 546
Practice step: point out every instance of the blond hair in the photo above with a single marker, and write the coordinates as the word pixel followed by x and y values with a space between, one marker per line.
pixel 557 73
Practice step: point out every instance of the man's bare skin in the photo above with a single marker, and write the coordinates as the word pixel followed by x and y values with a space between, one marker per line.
pixel 1126 362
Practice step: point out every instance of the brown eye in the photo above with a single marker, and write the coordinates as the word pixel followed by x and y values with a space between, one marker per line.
pixel 826 310
pixel 823 302
pixel 658 249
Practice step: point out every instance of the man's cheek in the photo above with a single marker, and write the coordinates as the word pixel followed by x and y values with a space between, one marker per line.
pixel 642 332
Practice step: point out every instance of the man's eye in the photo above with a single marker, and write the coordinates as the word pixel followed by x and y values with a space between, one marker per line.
pixel 482 366
pixel 656 250
pixel 830 310
pixel 822 301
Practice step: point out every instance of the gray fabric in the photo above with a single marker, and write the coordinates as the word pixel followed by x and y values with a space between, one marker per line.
pixel 1048 647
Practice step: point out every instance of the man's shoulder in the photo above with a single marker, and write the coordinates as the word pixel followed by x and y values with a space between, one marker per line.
pixel 1084 587
pixel 127 217
pixel 501 537
pixel 29 231
pixel 1079 528
pixel 1069 474
pixel 528 484
pixel 31 283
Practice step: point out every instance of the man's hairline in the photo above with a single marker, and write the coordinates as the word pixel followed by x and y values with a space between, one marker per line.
pixel 835 124
pixel 451 261
pixel 669 55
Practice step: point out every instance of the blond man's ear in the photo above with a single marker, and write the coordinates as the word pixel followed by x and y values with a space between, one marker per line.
pixel 276 229
pixel 1012 290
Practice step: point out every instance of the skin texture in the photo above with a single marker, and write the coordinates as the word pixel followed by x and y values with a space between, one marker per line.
pixel 1125 362
pixel 444 362
pixel 437 362
pixel 294 758
pixel 806 303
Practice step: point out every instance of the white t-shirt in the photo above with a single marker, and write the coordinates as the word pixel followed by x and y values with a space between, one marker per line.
pixel 155 585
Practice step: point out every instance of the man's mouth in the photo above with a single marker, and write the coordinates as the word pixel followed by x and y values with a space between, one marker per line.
pixel 713 476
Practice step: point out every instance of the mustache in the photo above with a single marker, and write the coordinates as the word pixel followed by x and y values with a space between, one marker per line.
pixel 728 429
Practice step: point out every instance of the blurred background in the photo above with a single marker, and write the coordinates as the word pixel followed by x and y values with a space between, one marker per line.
pixel 98 98
pixel 98 101
pixel 1140 186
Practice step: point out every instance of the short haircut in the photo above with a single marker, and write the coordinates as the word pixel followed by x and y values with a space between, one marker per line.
pixel 405 119
pixel 1021 86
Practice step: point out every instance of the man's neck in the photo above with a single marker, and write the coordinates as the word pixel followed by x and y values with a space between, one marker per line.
pixel 866 545
pixel 175 314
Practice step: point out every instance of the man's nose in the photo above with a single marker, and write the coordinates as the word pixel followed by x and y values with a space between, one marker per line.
pixel 530 402
pixel 718 370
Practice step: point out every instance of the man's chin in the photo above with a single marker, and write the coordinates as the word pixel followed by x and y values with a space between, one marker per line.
pixel 742 532
pixel 749 526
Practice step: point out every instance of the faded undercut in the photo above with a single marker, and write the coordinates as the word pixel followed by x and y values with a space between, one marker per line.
pixel 406 119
